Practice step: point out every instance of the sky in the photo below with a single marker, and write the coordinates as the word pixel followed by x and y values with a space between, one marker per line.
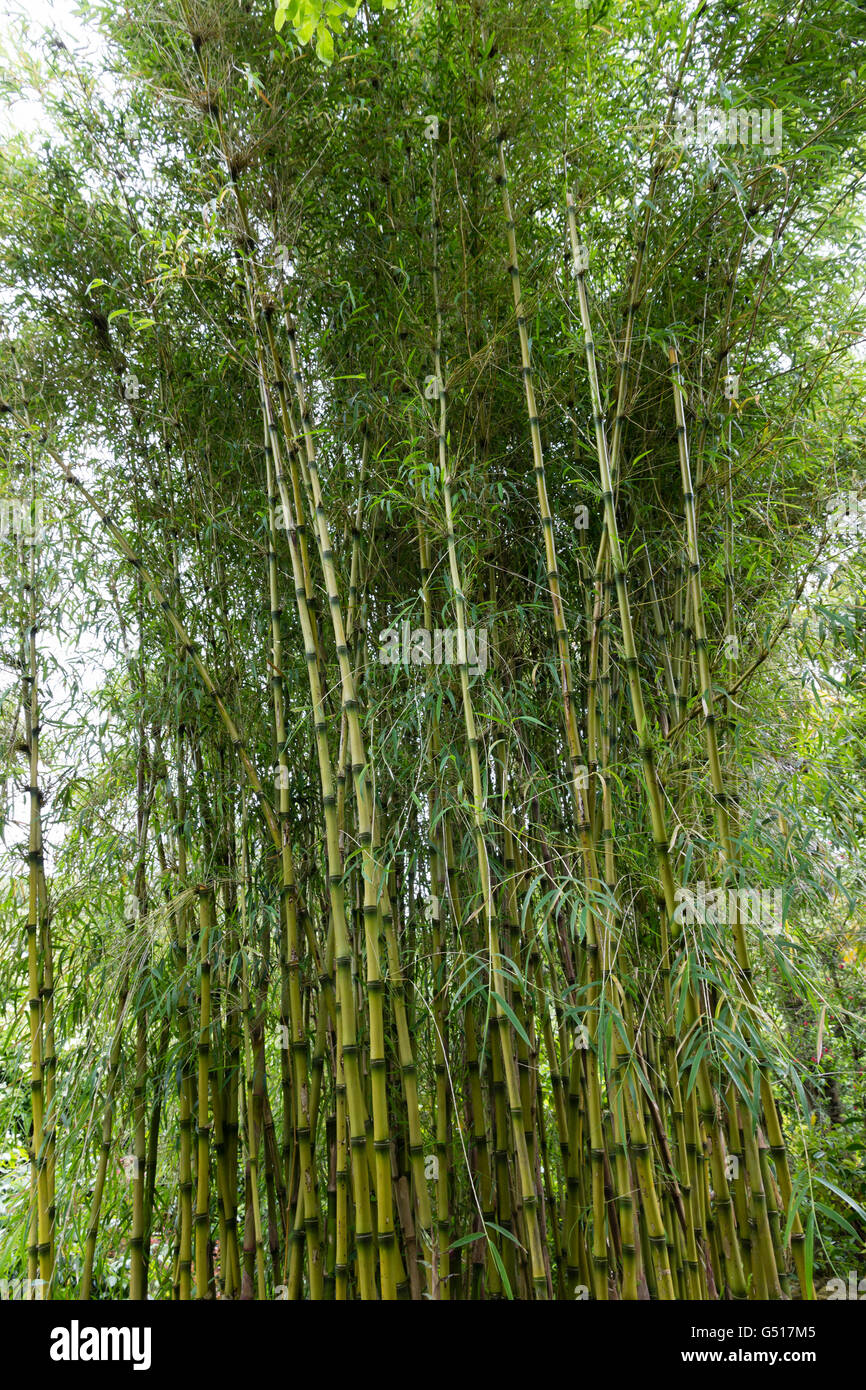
pixel 41 16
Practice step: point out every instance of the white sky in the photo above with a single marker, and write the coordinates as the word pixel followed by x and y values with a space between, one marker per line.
pixel 41 16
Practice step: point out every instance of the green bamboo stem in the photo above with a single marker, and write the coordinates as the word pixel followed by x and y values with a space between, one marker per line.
pixel 344 954
pixel 289 937
pixel 378 916
pixel 647 755
pixel 150 1164
pixel 137 1288
pixel 36 931
pixel 251 1125
pixel 181 917
pixel 528 1194
pixel 105 1145
pixel 723 823
pixel 439 979
pixel 581 793
pixel 341 1250
pixel 373 886
pixel 202 1204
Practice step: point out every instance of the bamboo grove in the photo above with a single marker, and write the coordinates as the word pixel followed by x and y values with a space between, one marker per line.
pixel 433 457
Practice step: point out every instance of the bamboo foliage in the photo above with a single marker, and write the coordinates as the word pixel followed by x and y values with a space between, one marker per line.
pixel 410 765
